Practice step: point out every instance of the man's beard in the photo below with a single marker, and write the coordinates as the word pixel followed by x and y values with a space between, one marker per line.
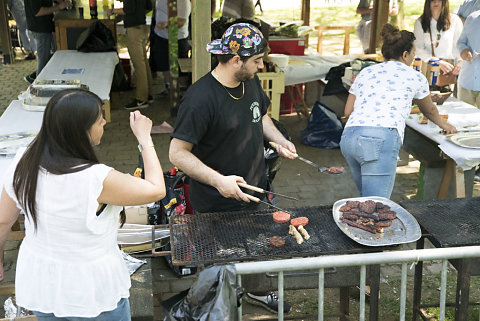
pixel 243 75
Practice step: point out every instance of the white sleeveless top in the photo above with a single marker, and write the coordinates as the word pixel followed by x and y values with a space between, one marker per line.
pixel 71 265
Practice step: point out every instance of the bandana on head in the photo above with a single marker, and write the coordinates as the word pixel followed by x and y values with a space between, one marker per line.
pixel 241 39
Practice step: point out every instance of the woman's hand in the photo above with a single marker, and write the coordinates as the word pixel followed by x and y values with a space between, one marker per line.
pixel 446 67
pixel 449 129
pixel 458 66
pixel 141 126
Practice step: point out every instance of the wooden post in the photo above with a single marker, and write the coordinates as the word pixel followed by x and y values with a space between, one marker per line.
pixel 6 42
pixel 379 19
pixel 173 55
pixel 201 35
pixel 306 17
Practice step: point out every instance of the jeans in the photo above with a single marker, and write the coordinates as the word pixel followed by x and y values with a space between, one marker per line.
pixel 120 313
pixel 371 154
pixel 17 8
pixel 45 46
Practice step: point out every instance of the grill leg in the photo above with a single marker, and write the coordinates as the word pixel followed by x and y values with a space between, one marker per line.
pixel 417 284
pixel 463 289
pixel 374 291
pixel 344 303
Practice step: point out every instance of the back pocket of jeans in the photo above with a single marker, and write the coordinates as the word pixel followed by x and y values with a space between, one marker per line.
pixel 370 147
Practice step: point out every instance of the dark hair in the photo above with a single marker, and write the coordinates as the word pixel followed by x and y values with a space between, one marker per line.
pixel 62 146
pixel 223 59
pixel 395 42
pixel 443 22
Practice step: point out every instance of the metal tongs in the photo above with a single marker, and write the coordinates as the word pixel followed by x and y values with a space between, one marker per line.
pixel 321 169
pixel 259 190
pixel 257 200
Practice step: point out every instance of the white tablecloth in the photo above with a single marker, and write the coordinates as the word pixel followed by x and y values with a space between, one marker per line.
pixel 303 69
pixel 98 68
pixel 460 115
pixel 17 119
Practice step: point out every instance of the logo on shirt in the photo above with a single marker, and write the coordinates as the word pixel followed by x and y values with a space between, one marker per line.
pixel 256 115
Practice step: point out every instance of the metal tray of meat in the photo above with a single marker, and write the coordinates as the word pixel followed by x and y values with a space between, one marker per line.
pixel 404 228
pixel 467 139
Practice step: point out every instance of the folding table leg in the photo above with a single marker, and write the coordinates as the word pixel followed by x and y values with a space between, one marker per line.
pixel 106 108
pixel 374 291
pixel 417 284
pixel 463 290
pixel 344 303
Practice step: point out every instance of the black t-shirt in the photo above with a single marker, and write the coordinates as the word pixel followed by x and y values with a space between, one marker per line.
pixel 135 11
pixel 227 135
pixel 42 23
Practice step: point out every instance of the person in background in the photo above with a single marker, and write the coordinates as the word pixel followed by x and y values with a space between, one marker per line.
pixel 238 9
pixel 17 8
pixel 137 37
pixel 220 129
pixel 365 9
pixel 39 15
pixel 436 35
pixel 469 47
pixel 380 99
pixel 468 80
pixel 69 265
pixel 159 56
pixel 466 8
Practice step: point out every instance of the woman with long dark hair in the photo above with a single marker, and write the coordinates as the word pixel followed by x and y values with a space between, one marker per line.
pixel 379 102
pixel 69 264
pixel 436 35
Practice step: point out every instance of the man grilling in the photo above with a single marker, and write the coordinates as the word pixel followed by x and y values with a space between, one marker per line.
pixel 220 128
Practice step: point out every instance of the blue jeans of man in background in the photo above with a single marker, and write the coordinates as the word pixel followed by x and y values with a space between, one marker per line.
pixel 17 7
pixel 371 154
pixel 45 47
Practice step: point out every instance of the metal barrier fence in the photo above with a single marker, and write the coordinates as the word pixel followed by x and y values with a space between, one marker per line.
pixel 362 260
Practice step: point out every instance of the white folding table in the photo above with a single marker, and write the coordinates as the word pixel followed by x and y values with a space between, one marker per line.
pixel 97 71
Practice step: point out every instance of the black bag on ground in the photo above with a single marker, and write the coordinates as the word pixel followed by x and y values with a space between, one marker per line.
pixel 120 79
pixel 324 129
pixel 214 296
pixel 97 38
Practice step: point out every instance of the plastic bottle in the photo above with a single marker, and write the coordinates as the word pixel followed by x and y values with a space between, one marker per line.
pixel 417 64
pixel 434 72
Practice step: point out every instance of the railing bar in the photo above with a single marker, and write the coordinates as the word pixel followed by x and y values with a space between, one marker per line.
pixel 239 310
pixel 443 290
pixel 363 280
pixel 280 296
pixel 314 263
pixel 321 293
pixel 403 292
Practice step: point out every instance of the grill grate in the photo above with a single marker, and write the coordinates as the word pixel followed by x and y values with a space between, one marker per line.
pixel 239 236
pixel 454 222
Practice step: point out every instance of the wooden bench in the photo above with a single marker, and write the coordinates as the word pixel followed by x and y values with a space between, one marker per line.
pixel 346 41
